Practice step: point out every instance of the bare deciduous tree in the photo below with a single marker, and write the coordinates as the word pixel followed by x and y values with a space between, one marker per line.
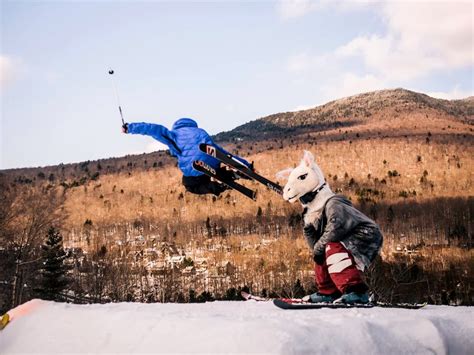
pixel 25 216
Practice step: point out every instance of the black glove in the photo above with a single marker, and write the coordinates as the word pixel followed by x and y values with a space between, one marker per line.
pixel 251 167
pixel 309 231
pixel 319 258
pixel 125 128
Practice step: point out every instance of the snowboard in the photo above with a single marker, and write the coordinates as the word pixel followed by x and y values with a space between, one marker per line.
pixel 4 321
pixel 302 303
pixel 232 162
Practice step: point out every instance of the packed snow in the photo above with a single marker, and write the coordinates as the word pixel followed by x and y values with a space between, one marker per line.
pixel 235 327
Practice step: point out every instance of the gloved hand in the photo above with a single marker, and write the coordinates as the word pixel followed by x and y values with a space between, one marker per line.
pixel 309 231
pixel 125 128
pixel 319 258
pixel 251 167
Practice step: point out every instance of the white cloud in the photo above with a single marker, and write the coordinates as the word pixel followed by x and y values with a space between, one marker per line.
pixel 288 9
pixel 440 29
pixel 454 94
pixel 349 84
pixel 421 38
pixel 386 56
pixel 154 146
pixel 343 85
pixel 303 107
pixel 6 71
pixel 149 148
pixel 291 9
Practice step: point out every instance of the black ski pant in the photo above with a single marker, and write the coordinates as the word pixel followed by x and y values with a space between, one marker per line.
pixel 202 185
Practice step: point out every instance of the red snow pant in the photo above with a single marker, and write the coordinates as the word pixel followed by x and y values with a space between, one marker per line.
pixel 338 272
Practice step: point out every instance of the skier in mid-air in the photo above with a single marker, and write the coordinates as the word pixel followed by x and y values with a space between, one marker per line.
pixel 183 142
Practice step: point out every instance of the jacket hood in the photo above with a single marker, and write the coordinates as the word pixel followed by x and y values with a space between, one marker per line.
pixel 184 122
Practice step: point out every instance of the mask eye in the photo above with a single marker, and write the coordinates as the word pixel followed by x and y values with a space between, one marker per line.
pixel 302 177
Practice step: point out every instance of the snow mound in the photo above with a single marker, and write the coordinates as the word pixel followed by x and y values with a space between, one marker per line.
pixel 235 327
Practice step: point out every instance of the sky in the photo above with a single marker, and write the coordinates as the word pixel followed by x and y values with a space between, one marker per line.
pixel 222 63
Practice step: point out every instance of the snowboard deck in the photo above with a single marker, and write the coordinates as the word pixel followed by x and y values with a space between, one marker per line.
pixel 302 303
pixel 291 304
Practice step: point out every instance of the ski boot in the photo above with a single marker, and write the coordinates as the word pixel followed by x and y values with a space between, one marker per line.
pixel 319 298
pixel 353 298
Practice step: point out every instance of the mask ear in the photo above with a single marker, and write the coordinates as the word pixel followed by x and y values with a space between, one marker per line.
pixel 308 158
pixel 284 174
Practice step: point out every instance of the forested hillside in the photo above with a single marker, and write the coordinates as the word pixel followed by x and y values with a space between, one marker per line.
pixel 133 233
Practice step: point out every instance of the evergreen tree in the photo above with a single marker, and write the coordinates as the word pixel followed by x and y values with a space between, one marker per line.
pixel 298 289
pixel 192 296
pixel 53 272
pixel 206 296
pixel 231 294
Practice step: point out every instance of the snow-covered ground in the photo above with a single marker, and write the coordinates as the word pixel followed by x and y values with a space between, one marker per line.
pixel 235 327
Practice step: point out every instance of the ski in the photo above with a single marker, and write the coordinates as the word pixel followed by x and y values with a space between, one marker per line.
pixel 247 296
pixel 300 304
pixel 209 171
pixel 4 321
pixel 229 160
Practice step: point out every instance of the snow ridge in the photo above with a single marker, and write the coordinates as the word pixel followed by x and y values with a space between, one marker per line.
pixel 234 327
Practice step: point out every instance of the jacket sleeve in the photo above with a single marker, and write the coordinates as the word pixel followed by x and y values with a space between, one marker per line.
pixel 339 223
pixel 159 132
pixel 310 235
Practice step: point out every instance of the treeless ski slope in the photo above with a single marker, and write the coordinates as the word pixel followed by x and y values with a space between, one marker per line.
pixel 235 327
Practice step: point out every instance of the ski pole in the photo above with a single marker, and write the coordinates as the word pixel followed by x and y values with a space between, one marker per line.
pixel 111 72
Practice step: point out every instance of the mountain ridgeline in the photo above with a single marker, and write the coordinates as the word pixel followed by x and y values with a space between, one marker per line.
pixel 372 107
pixel 394 112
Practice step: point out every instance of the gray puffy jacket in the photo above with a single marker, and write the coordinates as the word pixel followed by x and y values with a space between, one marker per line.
pixel 341 222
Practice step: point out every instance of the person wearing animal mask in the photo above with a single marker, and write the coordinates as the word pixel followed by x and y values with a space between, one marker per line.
pixel 343 241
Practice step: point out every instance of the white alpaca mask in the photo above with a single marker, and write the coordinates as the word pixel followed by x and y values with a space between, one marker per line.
pixel 305 178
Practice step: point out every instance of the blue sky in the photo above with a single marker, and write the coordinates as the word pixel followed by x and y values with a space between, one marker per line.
pixel 222 63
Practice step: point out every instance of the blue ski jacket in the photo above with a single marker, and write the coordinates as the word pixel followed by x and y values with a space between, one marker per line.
pixel 183 142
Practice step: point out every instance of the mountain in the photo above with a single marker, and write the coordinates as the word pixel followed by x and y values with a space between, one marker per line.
pixel 372 107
